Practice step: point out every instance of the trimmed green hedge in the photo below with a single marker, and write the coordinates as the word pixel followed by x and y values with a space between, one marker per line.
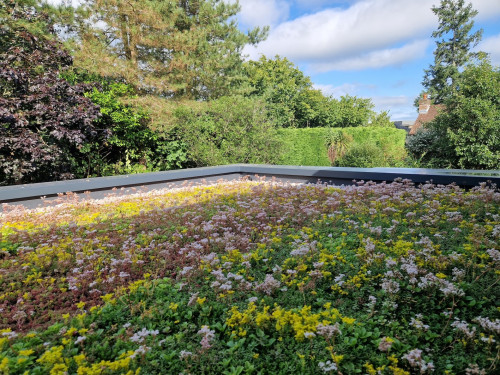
pixel 307 146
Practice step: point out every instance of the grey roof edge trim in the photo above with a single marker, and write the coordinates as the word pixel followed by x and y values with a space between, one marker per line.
pixel 33 191
pixel 338 171
pixel 47 189
pixel 417 175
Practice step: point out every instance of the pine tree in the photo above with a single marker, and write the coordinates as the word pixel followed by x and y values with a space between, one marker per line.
pixel 183 48
pixel 453 49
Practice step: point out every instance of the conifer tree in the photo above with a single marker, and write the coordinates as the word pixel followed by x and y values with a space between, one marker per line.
pixel 183 48
pixel 453 48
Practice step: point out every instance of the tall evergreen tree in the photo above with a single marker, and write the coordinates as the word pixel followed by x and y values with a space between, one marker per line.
pixel 453 48
pixel 169 47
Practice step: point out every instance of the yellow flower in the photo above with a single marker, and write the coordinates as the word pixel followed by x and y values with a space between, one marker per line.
pixel 347 320
pixel 4 365
pixel 173 306
pixel 201 301
pixel 108 298
pixel 70 332
pixel 79 359
pixel 80 305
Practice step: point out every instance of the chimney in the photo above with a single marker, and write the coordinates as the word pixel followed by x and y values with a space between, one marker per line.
pixel 424 105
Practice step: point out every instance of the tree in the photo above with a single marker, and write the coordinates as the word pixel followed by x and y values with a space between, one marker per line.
pixel 43 118
pixel 472 119
pixel 288 92
pixel 453 49
pixel 22 14
pixel 467 134
pixel 351 111
pixel 177 48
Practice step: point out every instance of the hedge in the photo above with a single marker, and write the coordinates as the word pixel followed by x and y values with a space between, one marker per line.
pixel 307 146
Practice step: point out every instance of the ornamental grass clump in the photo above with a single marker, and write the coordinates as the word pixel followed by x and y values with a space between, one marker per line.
pixel 255 277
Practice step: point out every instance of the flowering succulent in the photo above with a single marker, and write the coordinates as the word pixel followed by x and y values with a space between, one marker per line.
pixel 228 278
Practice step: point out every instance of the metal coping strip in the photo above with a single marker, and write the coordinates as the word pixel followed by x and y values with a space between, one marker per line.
pixel 466 178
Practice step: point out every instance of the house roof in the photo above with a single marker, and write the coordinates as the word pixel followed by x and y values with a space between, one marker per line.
pixel 426 116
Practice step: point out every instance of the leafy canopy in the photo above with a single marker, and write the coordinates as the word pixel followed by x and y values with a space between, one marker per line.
pixel 43 118
pixel 188 49
pixel 467 134
pixel 472 121
pixel 454 46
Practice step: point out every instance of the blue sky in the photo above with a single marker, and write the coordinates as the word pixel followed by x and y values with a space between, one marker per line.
pixel 374 49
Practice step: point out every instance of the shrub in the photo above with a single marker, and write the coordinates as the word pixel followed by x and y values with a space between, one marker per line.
pixel 362 155
pixel 337 143
pixel 44 120
pixel 227 130
pixel 431 148
pixel 134 145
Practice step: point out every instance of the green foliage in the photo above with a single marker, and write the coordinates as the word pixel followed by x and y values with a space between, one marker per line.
pixel 466 135
pixel 390 140
pixel 431 148
pixel 310 146
pixel 293 102
pixel 289 94
pixel 381 120
pixel 337 143
pixel 188 49
pixel 27 15
pixel 362 155
pixel 304 146
pixel 351 111
pixel 132 147
pixel 453 51
pixel 228 130
pixel 472 121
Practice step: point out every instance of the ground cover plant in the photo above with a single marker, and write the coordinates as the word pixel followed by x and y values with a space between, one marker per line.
pixel 255 277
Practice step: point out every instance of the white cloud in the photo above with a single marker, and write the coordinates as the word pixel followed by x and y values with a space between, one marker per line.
pixel 262 12
pixel 393 101
pixel 343 33
pixel 399 107
pixel 376 59
pixel 342 90
pixel 487 9
pixel 308 4
pixel 360 36
pixel 492 46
